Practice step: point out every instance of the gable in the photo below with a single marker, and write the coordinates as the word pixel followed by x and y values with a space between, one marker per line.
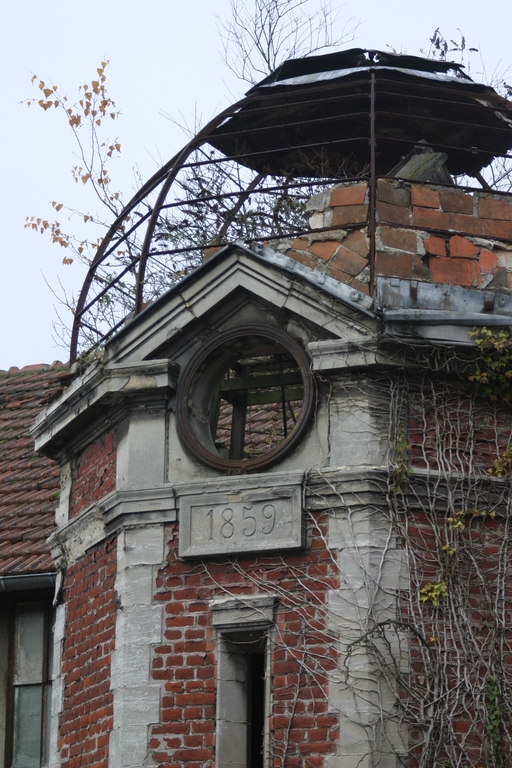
pixel 242 286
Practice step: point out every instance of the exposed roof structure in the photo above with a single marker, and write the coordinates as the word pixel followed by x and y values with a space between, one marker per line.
pixel 329 101
pixel 248 174
pixel 29 483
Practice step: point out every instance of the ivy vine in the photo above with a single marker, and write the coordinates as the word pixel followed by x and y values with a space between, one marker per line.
pixel 493 374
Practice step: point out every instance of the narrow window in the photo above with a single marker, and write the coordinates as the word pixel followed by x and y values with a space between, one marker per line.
pixel 241 699
pixel 257 702
pixel 31 685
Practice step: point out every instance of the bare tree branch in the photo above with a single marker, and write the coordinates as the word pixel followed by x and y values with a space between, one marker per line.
pixel 260 35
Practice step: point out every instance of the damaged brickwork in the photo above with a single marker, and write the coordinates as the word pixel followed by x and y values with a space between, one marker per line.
pixel 424 232
pixel 302 656
pixel 87 712
pixel 94 473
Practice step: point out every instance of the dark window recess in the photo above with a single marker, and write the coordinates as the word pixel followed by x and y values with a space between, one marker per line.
pixel 242 700
pixel 256 719
pixel 30 696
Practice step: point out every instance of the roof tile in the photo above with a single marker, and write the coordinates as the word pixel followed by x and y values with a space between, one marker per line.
pixel 29 483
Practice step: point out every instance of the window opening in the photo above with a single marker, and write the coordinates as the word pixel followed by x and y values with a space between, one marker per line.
pixel 242 700
pixel 31 685
pixel 256 719
pixel 245 398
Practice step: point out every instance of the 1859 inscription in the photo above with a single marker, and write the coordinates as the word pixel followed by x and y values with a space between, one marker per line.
pixel 247 520
pixel 250 523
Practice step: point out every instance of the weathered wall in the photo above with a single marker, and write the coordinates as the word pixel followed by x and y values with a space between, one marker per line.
pixel 451 429
pixel 424 232
pixel 87 715
pixel 303 730
pixel 93 473
pixel 444 235
pixel 140 656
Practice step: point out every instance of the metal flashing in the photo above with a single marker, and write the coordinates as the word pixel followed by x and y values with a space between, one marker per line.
pixel 338 74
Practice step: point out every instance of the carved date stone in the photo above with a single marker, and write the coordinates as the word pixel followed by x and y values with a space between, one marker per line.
pixel 237 515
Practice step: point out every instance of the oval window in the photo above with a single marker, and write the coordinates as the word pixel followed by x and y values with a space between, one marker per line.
pixel 245 398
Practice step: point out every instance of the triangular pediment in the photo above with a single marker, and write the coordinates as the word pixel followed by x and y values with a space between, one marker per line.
pixel 239 286
pixel 236 289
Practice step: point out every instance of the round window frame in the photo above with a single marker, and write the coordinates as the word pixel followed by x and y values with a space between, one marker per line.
pixel 185 426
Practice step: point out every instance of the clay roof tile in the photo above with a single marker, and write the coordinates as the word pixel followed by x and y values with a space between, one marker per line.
pixel 29 483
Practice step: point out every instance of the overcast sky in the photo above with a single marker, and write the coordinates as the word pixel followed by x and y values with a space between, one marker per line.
pixel 164 59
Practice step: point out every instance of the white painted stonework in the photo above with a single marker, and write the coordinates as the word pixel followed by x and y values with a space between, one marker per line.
pixel 139 628
pixel 57 685
pixel 372 572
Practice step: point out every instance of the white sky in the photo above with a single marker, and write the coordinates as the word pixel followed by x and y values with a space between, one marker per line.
pixel 164 58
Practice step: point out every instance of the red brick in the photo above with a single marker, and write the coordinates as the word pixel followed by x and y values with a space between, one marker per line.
pixel 488 261
pixel 400 265
pixel 349 214
pixel 436 246
pixel 430 219
pixel 500 229
pixel 94 475
pixel 359 286
pixel 454 271
pixel 470 225
pixel 394 192
pixel 299 244
pixel 189 716
pixel 337 274
pixel 88 702
pixel 392 214
pixel 399 239
pixel 490 208
pixel 455 201
pixel 348 261
pixel 357 242
pixel 349 195
pixel 461 247
pixel 324 249
pixel 424 196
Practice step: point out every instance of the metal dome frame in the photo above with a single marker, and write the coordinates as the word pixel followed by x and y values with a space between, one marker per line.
pixel 313 123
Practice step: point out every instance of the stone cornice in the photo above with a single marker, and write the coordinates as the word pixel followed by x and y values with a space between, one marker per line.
pixel 100 388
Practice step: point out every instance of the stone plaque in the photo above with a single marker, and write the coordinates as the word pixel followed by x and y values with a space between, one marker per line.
pixel 250 514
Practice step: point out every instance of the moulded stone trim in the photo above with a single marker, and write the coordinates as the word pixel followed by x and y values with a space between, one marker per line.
pixel 336 354
pixel 135 508
pixel 57 685
pixel 243 611
pixel 99 387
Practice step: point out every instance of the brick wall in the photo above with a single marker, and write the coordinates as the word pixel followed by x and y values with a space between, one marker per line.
pixel 451 537
pixel 94 473
pixel 302 730
pixel 450 429
pixel 461 644
pixel 424 232
pixel 444 235
pixel 87 717
pixel 341 253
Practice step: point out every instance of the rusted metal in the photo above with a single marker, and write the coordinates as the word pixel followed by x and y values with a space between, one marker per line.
pixel 372 186
pixel 189 390
pixel 291 125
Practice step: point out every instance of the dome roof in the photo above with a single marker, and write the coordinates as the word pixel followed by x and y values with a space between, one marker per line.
pixel 249 173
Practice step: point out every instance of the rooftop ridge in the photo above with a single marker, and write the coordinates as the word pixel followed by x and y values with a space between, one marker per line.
pixel 14 370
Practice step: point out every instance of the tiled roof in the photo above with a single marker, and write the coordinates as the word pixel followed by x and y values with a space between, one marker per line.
pixel 29 483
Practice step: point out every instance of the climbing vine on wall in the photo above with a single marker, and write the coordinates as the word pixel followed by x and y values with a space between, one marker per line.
pixel 493 374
